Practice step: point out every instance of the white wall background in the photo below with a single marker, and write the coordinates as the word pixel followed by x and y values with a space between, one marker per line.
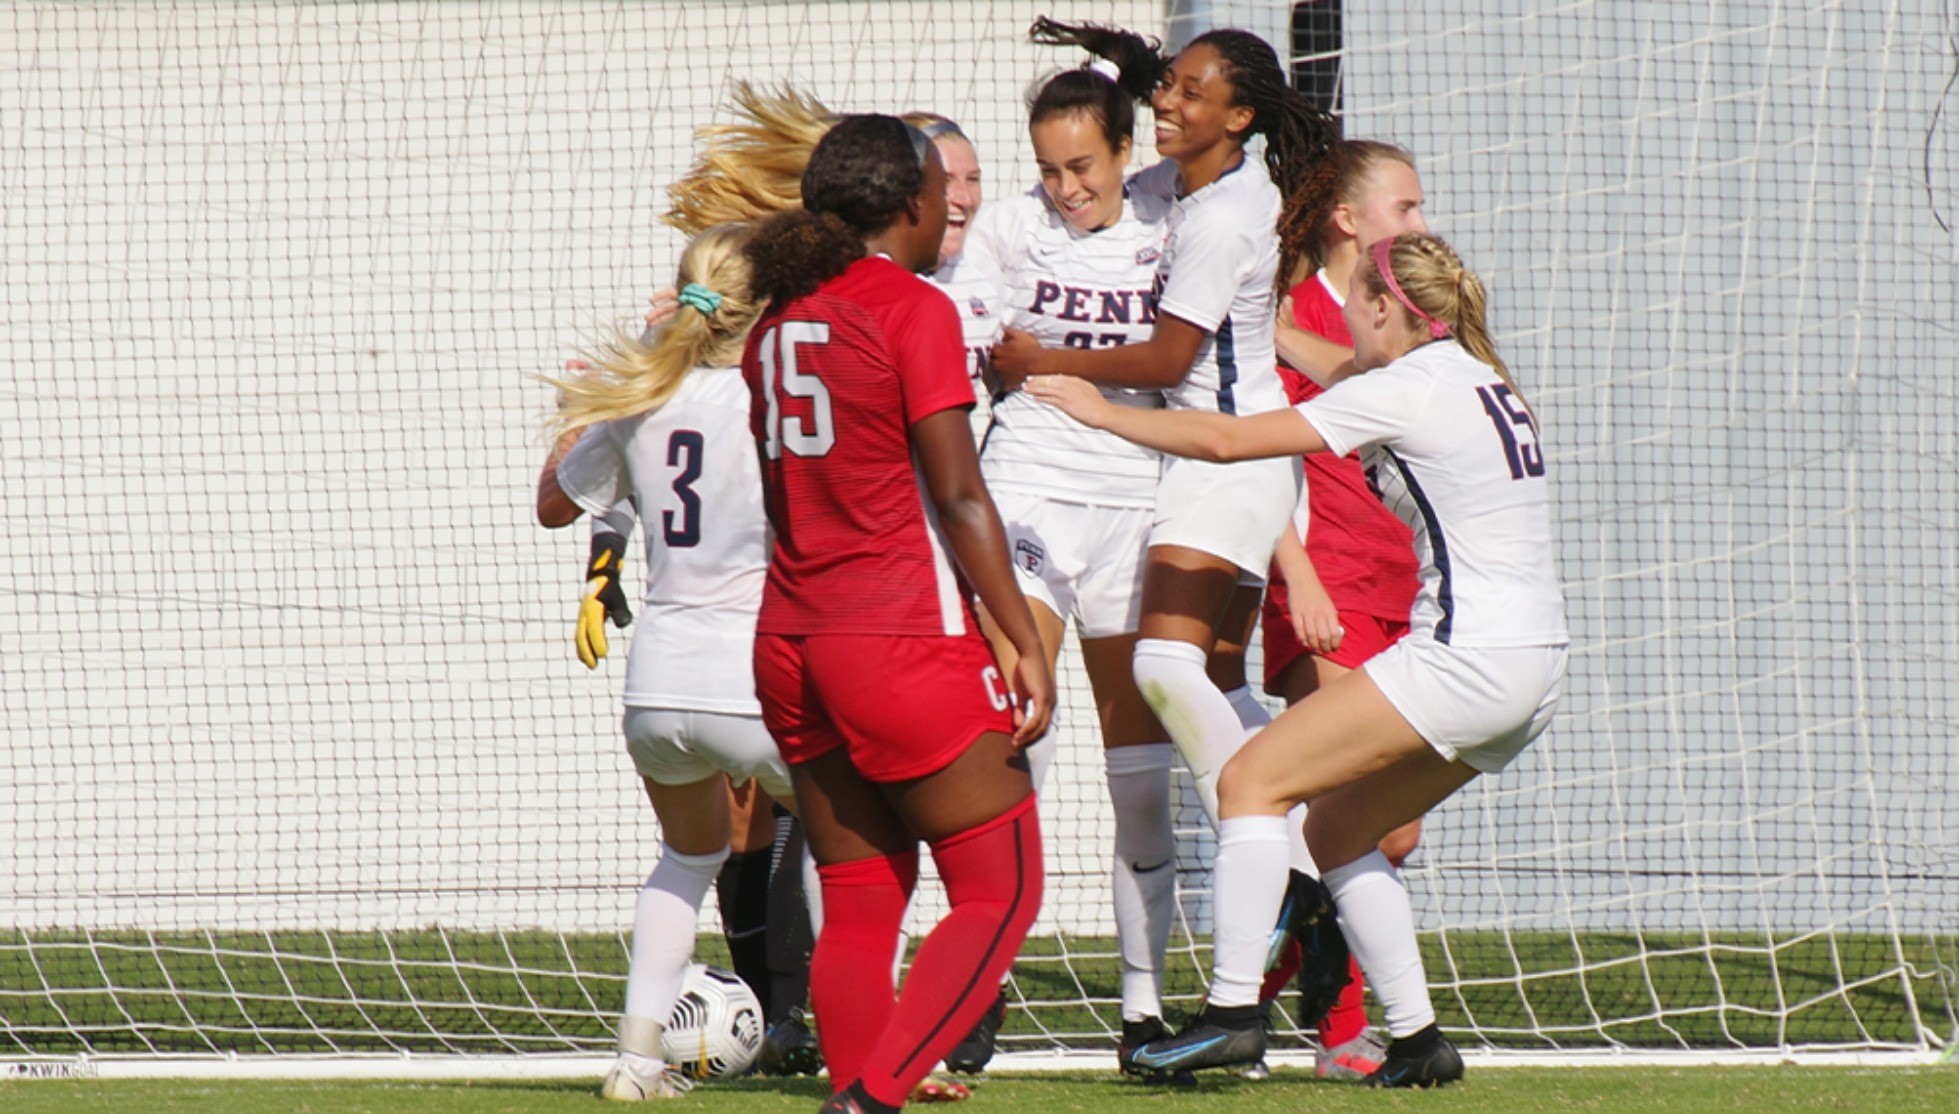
pixel 280 645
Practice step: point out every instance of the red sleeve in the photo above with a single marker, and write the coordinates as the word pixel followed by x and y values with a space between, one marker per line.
pixel 929 346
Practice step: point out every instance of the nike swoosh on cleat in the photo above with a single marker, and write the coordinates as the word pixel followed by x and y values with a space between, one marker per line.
pixel 1139 868
pixel 1170 1059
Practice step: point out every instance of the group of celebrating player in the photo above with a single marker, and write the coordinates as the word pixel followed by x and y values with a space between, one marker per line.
pixel 853 606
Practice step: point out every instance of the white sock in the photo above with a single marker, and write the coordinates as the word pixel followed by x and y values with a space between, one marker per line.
pixel 1145 900
pixel 1249 879
pixel 812 892
pixel 639 1044
pixel 664 919
pixel 1297 856
pixel 1252 715
pixel 904 942
pixel 1380 928
pixel 1040 752
pixel 1199 718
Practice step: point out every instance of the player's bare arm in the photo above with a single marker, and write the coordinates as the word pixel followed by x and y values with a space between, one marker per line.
pixel 1322 361
pixel 1197 434
pixel 1161 361
pixel 1315 618
pixel 944 443
pixel 554 507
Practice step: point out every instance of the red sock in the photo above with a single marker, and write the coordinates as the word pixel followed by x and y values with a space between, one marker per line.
pixel 850 971
pixel 1348 1017
pixel 1290 957
pixel 993 880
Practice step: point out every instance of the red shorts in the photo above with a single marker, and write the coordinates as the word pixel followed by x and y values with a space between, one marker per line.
pixel 1366 635
pixel 904 706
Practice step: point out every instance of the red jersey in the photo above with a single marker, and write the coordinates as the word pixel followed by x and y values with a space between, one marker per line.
pixel 837 378
pixel 1362 552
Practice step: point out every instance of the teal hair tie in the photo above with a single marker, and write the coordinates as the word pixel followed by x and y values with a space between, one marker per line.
pixel 700 297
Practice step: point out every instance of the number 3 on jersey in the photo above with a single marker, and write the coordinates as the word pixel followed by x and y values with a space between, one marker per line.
pixel 815 435
pixel 1514 425
pixel 686 449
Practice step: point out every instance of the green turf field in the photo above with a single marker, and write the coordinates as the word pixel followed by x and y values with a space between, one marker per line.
pixel 1492 1091
pixel 63 994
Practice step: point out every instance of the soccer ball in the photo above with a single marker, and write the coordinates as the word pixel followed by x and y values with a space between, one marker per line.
pixel 716 1028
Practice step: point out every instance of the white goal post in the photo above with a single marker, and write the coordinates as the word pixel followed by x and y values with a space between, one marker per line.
pixel 300 771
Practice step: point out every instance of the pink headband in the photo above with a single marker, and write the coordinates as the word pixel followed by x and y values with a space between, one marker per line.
pixel 1382 246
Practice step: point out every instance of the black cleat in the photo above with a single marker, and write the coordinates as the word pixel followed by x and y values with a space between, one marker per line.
pixel 789 1048
pixel 972 1054
pixel 1138 1033
pixel 1426 1059
pixel 852 1100
pixel 1219 1038
pixel 1309 917
pixel 1305 900
pixel 840 1103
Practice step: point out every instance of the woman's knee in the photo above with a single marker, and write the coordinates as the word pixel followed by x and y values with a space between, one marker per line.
pixel 1161 666
pixel 1244 790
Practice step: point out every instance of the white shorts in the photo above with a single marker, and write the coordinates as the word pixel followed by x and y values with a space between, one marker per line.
pixel 675 746
pixel 1234 511
pixel 1483 705
pixel 1084 562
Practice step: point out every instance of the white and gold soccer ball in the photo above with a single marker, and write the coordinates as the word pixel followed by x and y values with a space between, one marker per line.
pixel 716 1028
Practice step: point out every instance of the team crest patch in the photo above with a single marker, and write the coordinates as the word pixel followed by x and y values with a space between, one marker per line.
pixel 1147 256
pixel 1028 555
pixel 978 307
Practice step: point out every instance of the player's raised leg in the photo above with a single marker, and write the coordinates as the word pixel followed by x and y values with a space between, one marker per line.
pixel 1345 733
pixel 1185 594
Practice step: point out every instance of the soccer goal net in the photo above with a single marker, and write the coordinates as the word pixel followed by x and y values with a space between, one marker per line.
pixel 299 761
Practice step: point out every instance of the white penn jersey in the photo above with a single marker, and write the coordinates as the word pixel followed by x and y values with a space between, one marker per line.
pixel 1072 289
pixel 690 468
pixel 1454 454
pixel 1217 271
pixel 976 289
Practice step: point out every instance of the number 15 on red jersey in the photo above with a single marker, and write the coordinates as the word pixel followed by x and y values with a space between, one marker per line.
pixel 816 435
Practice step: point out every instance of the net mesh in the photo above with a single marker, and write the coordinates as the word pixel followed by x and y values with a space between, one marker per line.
pixel 299 760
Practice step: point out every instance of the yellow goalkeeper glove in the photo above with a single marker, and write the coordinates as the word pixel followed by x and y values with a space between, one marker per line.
pixel 604 599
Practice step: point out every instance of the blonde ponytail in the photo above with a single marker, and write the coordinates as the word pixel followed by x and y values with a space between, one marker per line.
pixel 631 377
pixel 753 168
pixel 1434 284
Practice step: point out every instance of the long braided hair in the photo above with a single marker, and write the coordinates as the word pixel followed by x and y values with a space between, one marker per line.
pixel 1298 133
